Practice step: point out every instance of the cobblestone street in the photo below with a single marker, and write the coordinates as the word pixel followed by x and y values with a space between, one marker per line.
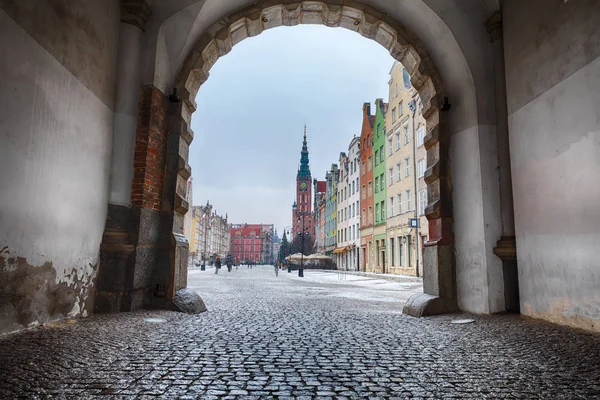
pixel 324 336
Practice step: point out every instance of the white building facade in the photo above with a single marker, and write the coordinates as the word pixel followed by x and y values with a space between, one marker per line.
pixel 354 204
pixel 340 252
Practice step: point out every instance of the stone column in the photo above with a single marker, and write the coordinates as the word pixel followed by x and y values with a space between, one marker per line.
pixel 506 247
pixel 118 248
pixel 134 15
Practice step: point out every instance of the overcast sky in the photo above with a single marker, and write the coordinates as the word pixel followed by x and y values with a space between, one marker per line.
pixel 252 109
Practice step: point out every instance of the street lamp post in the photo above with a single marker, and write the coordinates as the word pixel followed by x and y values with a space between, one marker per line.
pixel 288 229
pixel 413 107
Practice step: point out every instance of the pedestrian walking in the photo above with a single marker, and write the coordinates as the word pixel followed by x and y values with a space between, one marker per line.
pixel 276 270
pixel 229 262
pixel 217 265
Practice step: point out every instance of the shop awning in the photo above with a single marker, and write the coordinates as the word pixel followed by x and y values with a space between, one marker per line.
pixel 344 249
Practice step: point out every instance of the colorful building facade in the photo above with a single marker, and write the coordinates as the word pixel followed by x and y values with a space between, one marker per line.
pixel 331 179
pixel 366 189
pixel 405 158
pixel 319 189
pixel 354 204
pixel 379 187
pixel 252 242
pixel 341 250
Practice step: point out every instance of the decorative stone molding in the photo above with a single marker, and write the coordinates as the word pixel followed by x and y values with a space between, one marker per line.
pixel 494 26
pixel 405 47
pixel 135 12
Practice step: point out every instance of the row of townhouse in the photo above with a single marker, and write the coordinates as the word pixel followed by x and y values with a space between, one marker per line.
pixel 369 211
pixel 207 233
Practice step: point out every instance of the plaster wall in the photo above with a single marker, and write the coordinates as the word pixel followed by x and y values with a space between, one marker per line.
pixel 553 86
pixel 56 87
pixel 126 109
pixel 479 280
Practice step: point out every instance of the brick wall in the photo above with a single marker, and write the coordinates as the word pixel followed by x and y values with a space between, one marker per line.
pixel 149 159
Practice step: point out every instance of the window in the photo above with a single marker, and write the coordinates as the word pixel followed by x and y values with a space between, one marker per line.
pixel 390 147
pixel 399 203
pixel 392 251
pixel 363 218
pixel 363 193
pixel 370 166
pixel 420 135
pixel 381 154
pixel 376 184
pixel 383 210
pixel 422 201
pixel 376 157
pixel 378 130
pixel 391 206
pixel 381 182
pixel 394 114
pixel 362 169
pixel 401 107
pixel 377 215
pixel 370 188
pixel 421 167
pixel 406 138
pixel 406 167
pixel 398 139
pixel 391 176
pixel 408 200
pixel 370 215
pixel 398 172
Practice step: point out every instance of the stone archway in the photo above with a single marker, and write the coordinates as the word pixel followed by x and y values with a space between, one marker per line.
pixel 404 46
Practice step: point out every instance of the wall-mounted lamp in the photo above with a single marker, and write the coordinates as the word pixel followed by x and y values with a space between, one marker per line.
pixel 445 104
pixel 174 97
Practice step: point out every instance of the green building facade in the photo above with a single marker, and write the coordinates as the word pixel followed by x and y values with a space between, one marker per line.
pixel 379 185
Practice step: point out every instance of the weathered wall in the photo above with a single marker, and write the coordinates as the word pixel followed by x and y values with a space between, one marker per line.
pixel 57 68
pixel 552 51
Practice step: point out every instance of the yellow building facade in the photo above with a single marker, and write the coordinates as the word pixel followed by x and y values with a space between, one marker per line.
pixel 404 158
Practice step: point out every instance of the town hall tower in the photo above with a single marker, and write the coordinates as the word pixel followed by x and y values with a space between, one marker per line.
pixel 302 210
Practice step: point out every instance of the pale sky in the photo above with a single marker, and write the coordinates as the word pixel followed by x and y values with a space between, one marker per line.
pixel 252 109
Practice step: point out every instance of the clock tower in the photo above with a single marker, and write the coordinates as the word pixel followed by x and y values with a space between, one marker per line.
pixel 302 210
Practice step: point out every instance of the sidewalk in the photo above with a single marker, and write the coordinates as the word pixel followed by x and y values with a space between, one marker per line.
pixel 391 277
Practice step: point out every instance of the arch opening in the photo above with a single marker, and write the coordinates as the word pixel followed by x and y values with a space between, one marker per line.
pixel 405 47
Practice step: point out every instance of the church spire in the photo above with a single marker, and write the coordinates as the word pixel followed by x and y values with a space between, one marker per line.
pixel 304 170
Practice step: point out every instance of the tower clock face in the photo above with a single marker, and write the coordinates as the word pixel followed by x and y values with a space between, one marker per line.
pixel 303 186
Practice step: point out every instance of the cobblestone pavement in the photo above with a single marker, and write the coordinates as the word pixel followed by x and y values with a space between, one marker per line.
pixel 287 337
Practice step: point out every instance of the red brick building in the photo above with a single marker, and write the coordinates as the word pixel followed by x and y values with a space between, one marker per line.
pixel 252 242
